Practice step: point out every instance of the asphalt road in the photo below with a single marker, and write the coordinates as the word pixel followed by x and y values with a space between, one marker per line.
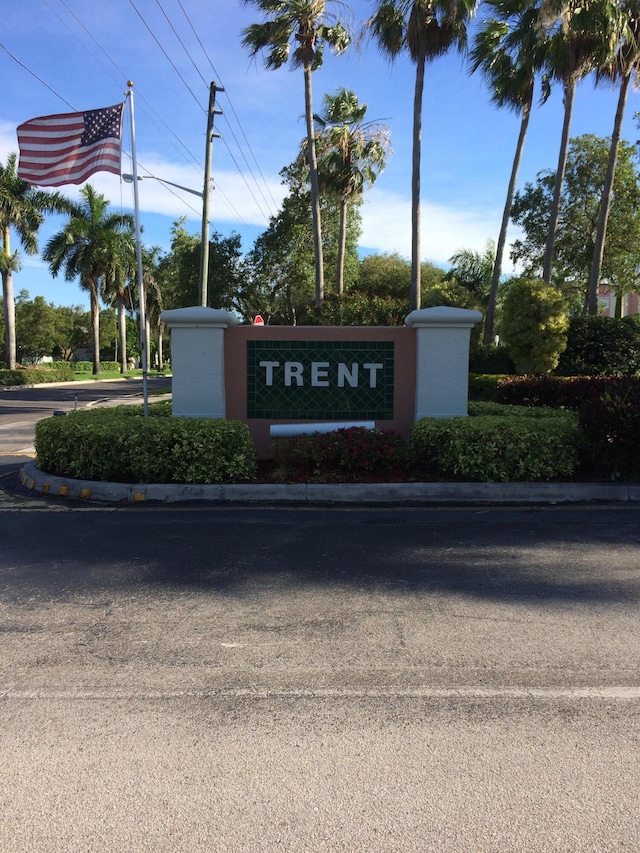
pixel 253 679
pixel 21 408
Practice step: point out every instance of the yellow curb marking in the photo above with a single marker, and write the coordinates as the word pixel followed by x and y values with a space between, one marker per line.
pixel 85 493
pixel 64 491
pixel 138 496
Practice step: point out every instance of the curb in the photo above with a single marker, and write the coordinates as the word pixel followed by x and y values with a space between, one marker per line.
pixel 32 478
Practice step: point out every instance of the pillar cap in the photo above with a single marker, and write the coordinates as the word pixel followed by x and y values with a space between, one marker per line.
pixel 198 317
pixel 443 315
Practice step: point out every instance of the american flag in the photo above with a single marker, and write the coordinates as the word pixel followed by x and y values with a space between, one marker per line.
pixel 68 148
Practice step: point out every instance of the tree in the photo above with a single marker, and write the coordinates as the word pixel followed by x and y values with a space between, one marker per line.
pixel 35 328
pixel 534 322
pixel 22 208
pixel 508 50
pixel 278 280
pixel 426 29
pixel 91 247
pixel 178 272
pixel 352 155
pixel 473 271
pixel 578 214
pixel 623 67
pixel 581 36
pixel 72 331
pixel 309 26
pixel 117 289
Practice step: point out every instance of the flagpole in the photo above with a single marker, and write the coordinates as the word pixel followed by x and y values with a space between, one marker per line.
pixel 143 320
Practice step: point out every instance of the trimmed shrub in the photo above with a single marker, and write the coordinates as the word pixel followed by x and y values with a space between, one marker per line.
pixel 610 424
pixel 497 447
pixel 487 358
pixel 87 366
pixel 120 445
pixel 58 371
pixel 343 454
pixel 562 392
pixel 534 324
pixel 484 386
pixel 601 345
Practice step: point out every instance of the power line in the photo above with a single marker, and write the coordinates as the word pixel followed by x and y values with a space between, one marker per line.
pixel 235 114
pixel 171 62
pixel 39 79
pixel 125 76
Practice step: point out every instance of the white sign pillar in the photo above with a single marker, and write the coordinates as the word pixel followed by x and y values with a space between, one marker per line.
pixel 197 360
pixel 442 360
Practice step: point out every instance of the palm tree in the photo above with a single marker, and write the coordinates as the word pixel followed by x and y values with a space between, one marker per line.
pixel 307 26
pixel 117 288
pixel 427 29
pixel 89 247
pixel 22 208
pixel 580 36
pixel 624 66
pixel 508 50
pixel 352 155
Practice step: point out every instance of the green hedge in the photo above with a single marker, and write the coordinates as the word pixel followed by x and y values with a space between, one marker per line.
pixel 601 345
pixel 58 371
pixel 87 366
pixel 562 392
pixel 119 445
pixel 484 386
pixel 505 446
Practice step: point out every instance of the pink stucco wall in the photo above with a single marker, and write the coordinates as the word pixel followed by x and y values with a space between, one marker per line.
pixel 235 373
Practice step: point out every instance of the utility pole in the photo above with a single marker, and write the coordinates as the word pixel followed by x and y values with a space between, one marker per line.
pixel 204 248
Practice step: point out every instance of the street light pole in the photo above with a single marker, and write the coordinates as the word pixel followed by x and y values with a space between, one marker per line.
pixel 129 179
pixel 204 247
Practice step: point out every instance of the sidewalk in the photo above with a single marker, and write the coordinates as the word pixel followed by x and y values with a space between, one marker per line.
pixel 353 493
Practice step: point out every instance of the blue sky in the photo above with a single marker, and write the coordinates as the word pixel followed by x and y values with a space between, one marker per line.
pixel 62 55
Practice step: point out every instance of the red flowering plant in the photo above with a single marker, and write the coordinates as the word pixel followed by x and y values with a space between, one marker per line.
pixel 345 454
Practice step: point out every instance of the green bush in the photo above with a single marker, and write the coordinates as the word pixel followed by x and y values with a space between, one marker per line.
pixel 601 345
pixel 534 324
pixel 58 371
pixel 487 358
pixel 87 366
pixel 343 454
pixel 484 386
pixel 497 447
pixel 119 445
pixel 561 392
pixel 610 424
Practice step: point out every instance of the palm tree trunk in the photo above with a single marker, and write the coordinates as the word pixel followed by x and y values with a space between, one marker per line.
pixel 607 194
pixel 122 333
pixel 9 311
pixel 569 91
pixel 342 246
pixel 315 189
pixel 415 296
pixel 506 216
pixel 160 346
pixel 95 326
pixel 8 303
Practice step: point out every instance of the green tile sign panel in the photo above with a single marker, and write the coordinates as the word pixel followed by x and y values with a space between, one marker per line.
pixel 319 380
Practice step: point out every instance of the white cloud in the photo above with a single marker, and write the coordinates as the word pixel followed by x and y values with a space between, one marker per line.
pixel 386 227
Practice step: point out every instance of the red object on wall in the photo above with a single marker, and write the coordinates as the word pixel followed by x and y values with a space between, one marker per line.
pixel 258 321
